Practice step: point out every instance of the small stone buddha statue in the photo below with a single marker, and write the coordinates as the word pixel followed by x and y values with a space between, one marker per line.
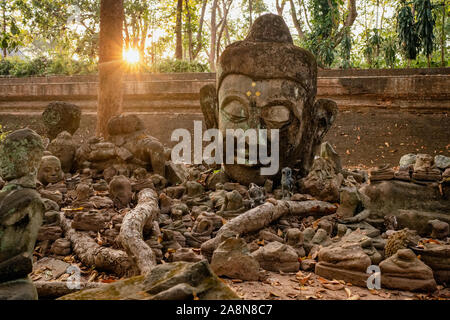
pixel 21 212
pixel 266 82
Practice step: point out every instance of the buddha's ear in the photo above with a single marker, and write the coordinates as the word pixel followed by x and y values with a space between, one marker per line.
pixel 327 111
pixel 209 105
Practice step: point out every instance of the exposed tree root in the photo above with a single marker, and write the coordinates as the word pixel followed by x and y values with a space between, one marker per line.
pixel 263 215
pixel 133 224
pixel 91 253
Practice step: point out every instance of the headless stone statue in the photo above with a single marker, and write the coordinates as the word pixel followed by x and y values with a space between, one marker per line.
pixel 266 82
pixel 21 212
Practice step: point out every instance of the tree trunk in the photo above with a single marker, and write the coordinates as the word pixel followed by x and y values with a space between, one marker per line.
pixel 5 52
pixel 110 63
pixel 250 9
pixel 199 45
pixel 280 6
pixel 443 36
pixel 189 30
pixel 296 21
pixel 212 53
pixel 178 27
pixel 132 227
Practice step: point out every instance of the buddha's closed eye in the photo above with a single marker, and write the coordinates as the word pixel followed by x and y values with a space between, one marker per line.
pixel 275 117
pixel 235 111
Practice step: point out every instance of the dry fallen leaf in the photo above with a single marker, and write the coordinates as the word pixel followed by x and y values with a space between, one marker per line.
pixel 355 297
pixel 334 287
pixel 348 292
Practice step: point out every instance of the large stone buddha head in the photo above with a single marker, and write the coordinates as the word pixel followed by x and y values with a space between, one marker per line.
pixel 266 82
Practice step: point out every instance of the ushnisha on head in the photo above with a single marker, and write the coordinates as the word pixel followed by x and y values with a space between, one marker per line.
pixel 20 155
pixel 266 82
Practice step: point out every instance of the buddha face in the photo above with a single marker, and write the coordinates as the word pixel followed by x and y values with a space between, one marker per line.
pixel 50 170
pixel 285 105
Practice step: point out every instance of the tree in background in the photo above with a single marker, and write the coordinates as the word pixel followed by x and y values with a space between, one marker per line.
pixel 346 48
pixel 407 33
pixel 178 30
pixel 11 35
pixel 425 26
pixel 110 64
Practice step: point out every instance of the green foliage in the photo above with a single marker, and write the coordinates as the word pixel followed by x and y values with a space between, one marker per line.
pixel 41 66
pixel 324 19
pixel 346 48
pixel 425 24
pixel 390 50
pixel 407 34
pixel 176 66
pixel 3 133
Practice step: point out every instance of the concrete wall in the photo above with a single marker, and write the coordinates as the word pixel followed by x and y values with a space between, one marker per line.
pixel 383 113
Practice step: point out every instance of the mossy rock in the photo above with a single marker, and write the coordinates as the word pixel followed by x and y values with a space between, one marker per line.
pixel 171 281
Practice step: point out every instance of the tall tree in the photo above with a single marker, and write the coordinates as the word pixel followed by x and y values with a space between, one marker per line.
pixel 110 63
pixel 406 30
pixel 425 26
pixel 178 31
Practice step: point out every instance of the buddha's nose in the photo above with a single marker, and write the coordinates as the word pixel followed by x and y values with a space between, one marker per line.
pixel 254 119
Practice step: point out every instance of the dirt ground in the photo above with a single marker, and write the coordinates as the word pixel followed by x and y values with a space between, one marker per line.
pixel 309 286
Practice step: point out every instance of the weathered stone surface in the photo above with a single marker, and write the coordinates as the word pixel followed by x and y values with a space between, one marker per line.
pixel 124 124
pixel 89 221
pixel 232 259
pixel 261 68
pixel 323 182
pixel 350 202
pixel 437 257
pixel 160 283
pixel 440 229
pixel 53 268
pixel 120 191
pixel 407 160
pixel 442 162
pixel 49 233
pixel 64 148
pixel 194 188
pixel 175 173
pixel 404 271
pixel 381 173
pixel 308 265
pixel 348 256
pixel 61 247
pixel 418 220
pixel 61 116
pixel 215 178
pixel 187 255
pixel 389 197
pixel 21 289
pixel 277 257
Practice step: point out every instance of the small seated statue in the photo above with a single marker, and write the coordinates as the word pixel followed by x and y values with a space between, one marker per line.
pixel 233 205
pixel 257 195
pixel 21 212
